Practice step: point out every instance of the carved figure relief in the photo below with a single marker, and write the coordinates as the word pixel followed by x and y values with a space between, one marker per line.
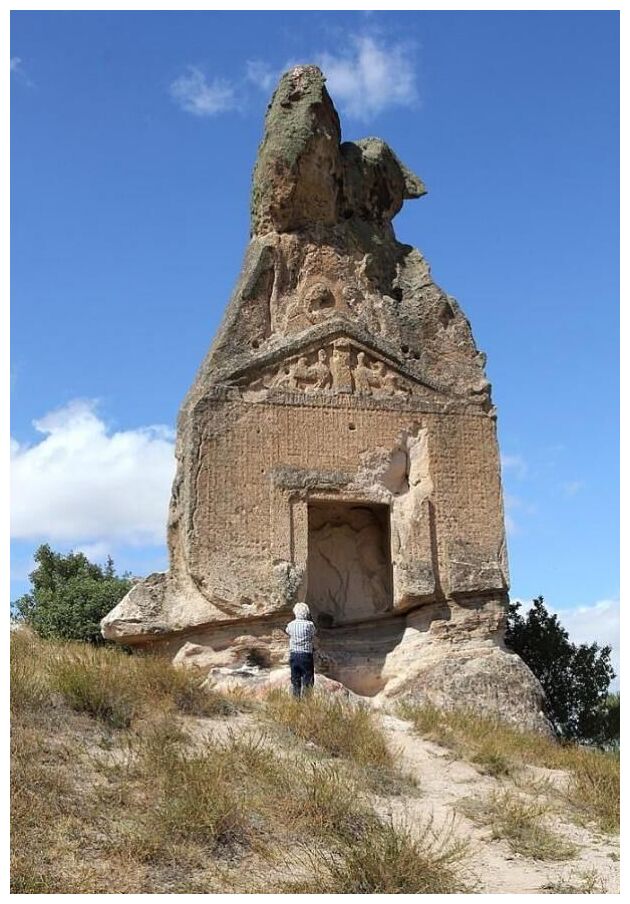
pixel 319 298
pixel 388 381
pixel 363 376
pixel 310 304
pixel 339 368
pixel 321 370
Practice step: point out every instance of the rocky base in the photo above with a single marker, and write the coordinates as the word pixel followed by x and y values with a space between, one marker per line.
pixel 490 681
pixel 257 683
pixel 449 654
pixel 482 677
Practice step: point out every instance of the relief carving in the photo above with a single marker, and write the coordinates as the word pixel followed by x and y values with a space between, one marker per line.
pixel 339 368
pixel 364 376
pixel 387 381
pixel 322 371
pixel 318 298
pixel 311 304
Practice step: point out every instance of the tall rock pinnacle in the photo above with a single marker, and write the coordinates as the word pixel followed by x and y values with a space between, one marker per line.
pixel 338 446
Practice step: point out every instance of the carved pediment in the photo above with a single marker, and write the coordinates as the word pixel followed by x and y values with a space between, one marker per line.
pixel 340 365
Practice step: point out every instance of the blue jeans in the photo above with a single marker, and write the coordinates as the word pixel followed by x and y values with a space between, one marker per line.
pixel 302 673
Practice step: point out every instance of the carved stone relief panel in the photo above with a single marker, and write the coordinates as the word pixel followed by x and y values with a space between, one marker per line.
pixel 337 367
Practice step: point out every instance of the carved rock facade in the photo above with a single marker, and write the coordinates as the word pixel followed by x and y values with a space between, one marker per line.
pixel 338 446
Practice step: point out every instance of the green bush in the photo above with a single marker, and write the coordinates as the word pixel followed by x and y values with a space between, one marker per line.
pixel 575 678
pixel 69 596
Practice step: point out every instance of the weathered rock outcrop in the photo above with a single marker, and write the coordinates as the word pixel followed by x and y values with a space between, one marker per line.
pixel 338 446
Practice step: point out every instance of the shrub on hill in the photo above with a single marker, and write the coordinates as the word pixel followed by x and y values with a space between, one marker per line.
pixel 575 678
pixel 69 596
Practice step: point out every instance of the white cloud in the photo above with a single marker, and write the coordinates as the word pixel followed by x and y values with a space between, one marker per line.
pixel 194 94
pixel 18 69
pixel 365 79
pixel 86 485
pixel 95 552
pixel 596 622
pixel 261 74
pixel 370 76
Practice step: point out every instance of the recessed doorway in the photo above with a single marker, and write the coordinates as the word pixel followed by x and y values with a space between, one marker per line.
pixel 349 562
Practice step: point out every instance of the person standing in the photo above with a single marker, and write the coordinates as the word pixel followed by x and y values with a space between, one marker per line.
pixel 301 633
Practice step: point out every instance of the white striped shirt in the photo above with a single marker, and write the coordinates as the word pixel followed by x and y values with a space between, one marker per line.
pixel 301 633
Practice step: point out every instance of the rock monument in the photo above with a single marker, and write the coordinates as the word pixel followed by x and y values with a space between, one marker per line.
pixel 338 446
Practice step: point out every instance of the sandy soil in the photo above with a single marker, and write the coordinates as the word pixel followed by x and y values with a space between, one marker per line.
pixel 444 781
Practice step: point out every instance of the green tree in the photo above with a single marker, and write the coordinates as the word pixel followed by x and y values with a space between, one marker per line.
pixel 69 596
pixel 610 721
pixel 575 678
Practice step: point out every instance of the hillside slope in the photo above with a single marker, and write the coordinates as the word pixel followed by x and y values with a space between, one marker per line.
pixel 128 777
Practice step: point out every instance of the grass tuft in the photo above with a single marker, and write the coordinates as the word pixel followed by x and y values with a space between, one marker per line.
pixel 386 859
pixel 96 685
pixel 344 730
pixel 29 685
pixel 115 688
pixel 496 747
pixel 197 800
pixel 588 882
pixel 338 728
pixel 324 801
pixel 594 786
pixel 519 822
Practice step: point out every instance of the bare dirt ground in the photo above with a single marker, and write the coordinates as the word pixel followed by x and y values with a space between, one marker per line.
pixel 444 783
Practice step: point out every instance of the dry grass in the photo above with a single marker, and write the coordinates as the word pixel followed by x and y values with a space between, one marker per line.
pixel 115 789
pixel 342 730
pixel 110 794
pixel 107 683
pixel 386 859
pixel 324 801
pixel 519 822
pixel 332 724
pixel 116 688
pixel 30 687
pixel 42 807
pixel 239 792
pixel 594 786
pixel 496 748
pixel 74 709
pixel 588 882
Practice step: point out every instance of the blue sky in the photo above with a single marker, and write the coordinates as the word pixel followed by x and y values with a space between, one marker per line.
pixel 133 136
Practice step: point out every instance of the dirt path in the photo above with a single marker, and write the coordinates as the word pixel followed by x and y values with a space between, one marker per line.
pixel 444 781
